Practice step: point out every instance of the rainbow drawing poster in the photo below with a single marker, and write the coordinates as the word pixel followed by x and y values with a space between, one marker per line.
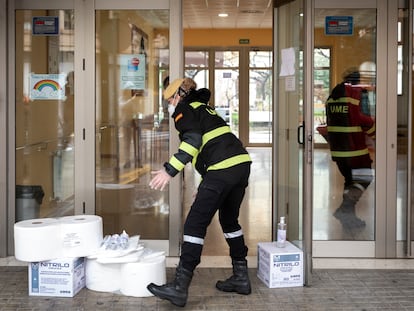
pixel 47 86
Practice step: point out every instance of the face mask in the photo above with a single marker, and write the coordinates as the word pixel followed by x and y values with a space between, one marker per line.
pixel 172 105
pixel 171 109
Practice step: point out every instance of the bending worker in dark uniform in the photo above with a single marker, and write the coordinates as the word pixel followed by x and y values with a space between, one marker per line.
pixel 224 165
pixel 347 129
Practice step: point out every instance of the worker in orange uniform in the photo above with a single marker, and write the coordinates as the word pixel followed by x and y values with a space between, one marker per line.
pixel 347 128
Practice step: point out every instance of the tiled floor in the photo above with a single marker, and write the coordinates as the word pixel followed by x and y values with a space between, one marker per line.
pixel 351 290
pixel 337 283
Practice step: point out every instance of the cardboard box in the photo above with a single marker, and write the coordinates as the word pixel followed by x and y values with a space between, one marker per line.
pixel 279 267
pixel 57 278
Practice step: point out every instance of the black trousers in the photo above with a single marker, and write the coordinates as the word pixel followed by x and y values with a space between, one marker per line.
pixel 350 178
pixel 222 191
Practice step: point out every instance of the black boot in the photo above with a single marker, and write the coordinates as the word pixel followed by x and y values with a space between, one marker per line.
pixel 239 282
pixel 175 292
pixel 346 212
pixel 348 219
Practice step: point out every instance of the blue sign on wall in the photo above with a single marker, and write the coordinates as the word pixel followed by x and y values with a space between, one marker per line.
pixel 45 25
pixel 339 25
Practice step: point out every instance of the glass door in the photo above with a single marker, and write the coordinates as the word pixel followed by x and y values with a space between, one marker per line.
pixel 329 64
pixel 114 76
pixel 292 136
pixel 44 112
pixel 344 159
pixel 132 124
pixel 132 128
pixel 355 129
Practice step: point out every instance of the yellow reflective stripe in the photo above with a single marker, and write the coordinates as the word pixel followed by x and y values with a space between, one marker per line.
pixel 186 147
pixel 371 130
pixel 344 100
pixel 177 164
pixel 215 133
pixel 347 154
pixel 345 129
pixel 194 161
pixel 230 162
pixel 353 101
pixel 196 104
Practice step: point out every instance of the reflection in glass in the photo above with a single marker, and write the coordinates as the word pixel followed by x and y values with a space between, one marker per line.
pixel 132 136
pixel 356 52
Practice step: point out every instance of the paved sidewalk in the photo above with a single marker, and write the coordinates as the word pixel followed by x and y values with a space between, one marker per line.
pixel 331 290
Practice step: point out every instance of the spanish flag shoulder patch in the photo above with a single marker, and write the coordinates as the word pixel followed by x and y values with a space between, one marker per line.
pixel 178 117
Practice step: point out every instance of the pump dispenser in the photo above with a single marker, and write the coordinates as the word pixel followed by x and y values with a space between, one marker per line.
pixel 281 233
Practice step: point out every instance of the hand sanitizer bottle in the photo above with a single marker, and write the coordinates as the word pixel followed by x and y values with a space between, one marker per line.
pixel 281 233
pixel 124 240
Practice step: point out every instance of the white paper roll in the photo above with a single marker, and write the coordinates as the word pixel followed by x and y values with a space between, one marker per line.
pixel 37 239
pixel 136 276
pixel 102 277
pixel 81 235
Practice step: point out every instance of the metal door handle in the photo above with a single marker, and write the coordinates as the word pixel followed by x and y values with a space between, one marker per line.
pixel 301 134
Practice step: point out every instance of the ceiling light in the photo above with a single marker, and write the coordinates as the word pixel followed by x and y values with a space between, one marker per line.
pixel 223 14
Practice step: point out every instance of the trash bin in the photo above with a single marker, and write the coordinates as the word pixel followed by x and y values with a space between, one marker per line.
pixel 28 201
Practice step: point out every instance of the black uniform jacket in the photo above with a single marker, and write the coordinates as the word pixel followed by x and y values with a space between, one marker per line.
pixel 206 139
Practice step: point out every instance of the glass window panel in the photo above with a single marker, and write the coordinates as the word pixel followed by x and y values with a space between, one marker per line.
pixel 400 69
pixel 260 97
pixel 196 59
pixel 404 134
pixel 344 212
pixel 322 87
pixel 199 76
pixel 44 115
pixel 322 57
pixel 196 67
pixel 260 106
pixel 260 59
pixel 226 59
pixel 226 96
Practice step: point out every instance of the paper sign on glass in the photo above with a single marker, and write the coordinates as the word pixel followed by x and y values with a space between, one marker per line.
pixel 287 67
pixel 47 86
pixel 132 71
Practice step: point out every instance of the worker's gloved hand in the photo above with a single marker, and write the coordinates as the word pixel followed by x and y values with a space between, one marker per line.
pixel 160 180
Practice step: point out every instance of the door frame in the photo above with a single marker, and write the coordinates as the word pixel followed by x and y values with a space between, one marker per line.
pixel 384 245
pixel 409 42
pixel 4 123
pixel 293 181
